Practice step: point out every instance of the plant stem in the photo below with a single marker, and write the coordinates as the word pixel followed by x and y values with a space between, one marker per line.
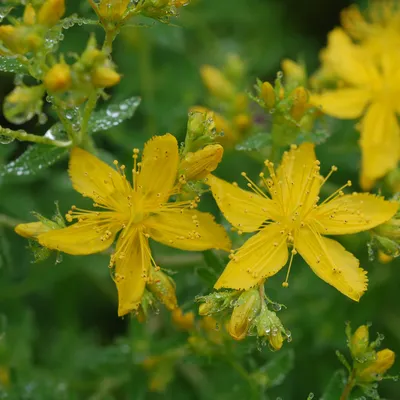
pixel 23 136
pixel 349 386
pixel 8 221
pixel 89 107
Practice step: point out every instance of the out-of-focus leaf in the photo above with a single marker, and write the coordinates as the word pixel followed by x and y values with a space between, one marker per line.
pixel 113 115
pixel 213 261
pixel 259 141
pixel 276 370
pixel 11 64
pixel 208 275
pixel 335 386
pixel 36 158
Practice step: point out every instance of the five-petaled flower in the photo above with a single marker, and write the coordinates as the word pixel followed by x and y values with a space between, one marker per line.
pixel 140 211
pixel 292 218
pixel 369 88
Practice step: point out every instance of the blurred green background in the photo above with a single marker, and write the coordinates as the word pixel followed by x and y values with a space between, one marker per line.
pixel 60 337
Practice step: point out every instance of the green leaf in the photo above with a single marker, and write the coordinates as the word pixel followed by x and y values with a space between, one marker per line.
pixel 36 158
pixel 335 386
pixel 113 115
pixel 11 64
pixel 276 370
pixel 256 142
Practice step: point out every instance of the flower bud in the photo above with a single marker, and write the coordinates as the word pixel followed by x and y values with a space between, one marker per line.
pixel 205 308
pixel 103 77
pixel 268 95
pixel 243 122
pixel 18 40
pixel 183 321
pixel 248 306
pixel 384 258
pixel 234 67
pixel 163 287
pixel 384 360
pixel 51 12
pixel 216 83
pixel 29 16
pixel 199 164
pixel 294 72
pixel 23 103
pixel 359 342
pixel 34 229
pixel 270 327
pixel 112 10
pixel 58 78
pixel 300 102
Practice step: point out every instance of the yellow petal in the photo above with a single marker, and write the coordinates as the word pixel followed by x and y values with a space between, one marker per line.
pixel 380 143
pixel 32 229
pixel 93 178
pixel 350 62
pixel 298 179
pixel 131 271
pixel 159 167
pixel 352 213
pixel 263 255
pixel 199 164
pixel 187 230
pixel 332 263
pixel 342 103
pixel 80 238
pixel 243 209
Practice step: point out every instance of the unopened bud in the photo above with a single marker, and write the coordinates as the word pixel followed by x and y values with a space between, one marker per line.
pixel 268 95
pixel 383 362
pixel 270 327
pixel 216 83
pixel 359 341
pixel 33 229
pixel 205 308
pixel 58 78
pixel 18 40
pixel 294 72
pixel 300 102
pixel 242 122
pixel 103 77
pixel 163 287
pixel 183 321
pixel 248 306
pixel 51 12
pixel 199 164
pixel 29 16
pixel 112 10
pixel 384 258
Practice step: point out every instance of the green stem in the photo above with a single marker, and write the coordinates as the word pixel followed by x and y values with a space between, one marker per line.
pixel 146 79
pixel 23 136
pixel 89 107
pixel 349 386
pixel 8 221
pixel 108 41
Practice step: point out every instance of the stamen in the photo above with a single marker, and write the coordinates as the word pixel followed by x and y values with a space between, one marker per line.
pixel 286 283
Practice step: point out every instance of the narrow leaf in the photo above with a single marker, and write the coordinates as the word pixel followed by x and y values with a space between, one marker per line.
pixel 12 64
pixel 335 386
pixel 113 115
pixel 36 158
pixel 277 369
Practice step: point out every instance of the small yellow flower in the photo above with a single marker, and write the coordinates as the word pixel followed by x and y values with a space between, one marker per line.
pixel 140 212
pixel 292 218
pixel 29 16
pixel 58 78
pixel 268 94
pixel 371 90
pixel 51 12
pixel 383 362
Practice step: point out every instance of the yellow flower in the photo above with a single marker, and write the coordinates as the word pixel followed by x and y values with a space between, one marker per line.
pixel 371 89
pixel 112 10
pixel 51 12
pixel 290 217
pixel 378 28
pixel 58 78
pixel 216 82
pixel 140 212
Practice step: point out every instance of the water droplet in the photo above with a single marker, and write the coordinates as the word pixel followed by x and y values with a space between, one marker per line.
pixel 6 139
pixel 276 307
pixel 113 111
pixel 42 118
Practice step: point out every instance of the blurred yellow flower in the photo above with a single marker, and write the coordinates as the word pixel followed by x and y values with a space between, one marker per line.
pixel 371 90
pixel 140 212
pixel 292 218
pixel 383 362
